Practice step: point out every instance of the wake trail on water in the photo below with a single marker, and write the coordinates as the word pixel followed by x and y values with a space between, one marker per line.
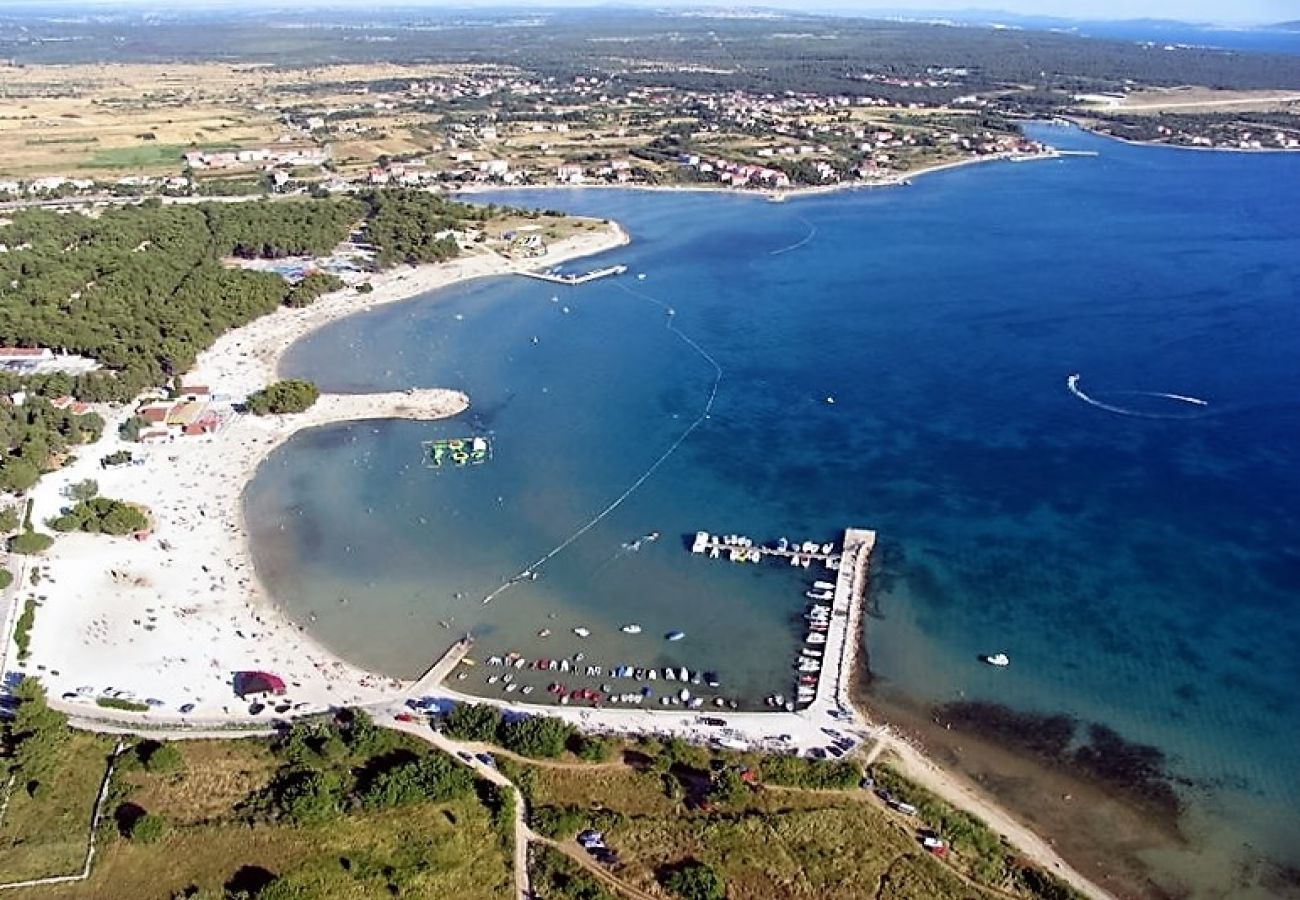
pixel 1072 383
pixel 530 572
pixel 806 239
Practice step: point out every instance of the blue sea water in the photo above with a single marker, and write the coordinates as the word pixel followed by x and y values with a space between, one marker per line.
pixel 1142 568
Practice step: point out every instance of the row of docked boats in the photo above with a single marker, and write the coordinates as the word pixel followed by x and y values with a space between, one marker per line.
pixel 812 655
pixel 576 664
pixel 742 549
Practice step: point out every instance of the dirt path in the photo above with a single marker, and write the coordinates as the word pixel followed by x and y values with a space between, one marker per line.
pixel 523 884
pixel 575 853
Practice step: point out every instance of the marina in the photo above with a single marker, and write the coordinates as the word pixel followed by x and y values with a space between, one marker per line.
pixel 823 668
pixel 556 277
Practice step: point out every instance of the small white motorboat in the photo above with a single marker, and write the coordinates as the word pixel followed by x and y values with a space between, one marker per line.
pixel 582 632
pixel 631 629
pixel 999 660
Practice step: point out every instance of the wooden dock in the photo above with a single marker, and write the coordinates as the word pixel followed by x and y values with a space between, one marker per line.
pixel 436 673
pixel 738 548
pixel 594 274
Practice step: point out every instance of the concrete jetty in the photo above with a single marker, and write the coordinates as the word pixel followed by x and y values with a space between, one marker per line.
pixel 555 278
pixel 844 632
pixel 438 672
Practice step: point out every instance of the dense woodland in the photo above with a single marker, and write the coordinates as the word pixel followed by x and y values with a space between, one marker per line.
pixel 143 289
pixel 794 52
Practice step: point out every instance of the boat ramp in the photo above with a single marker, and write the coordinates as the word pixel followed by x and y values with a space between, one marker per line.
pixel 573 279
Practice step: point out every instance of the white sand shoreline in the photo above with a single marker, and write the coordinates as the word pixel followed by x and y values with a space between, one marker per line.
pixel 171 618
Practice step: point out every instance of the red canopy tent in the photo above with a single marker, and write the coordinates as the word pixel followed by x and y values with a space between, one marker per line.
pixel 258 683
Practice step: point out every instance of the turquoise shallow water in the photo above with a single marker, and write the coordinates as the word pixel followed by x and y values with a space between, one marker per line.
pixel 1142 570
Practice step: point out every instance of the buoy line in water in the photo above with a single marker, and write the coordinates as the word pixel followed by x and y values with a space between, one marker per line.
pixel 807 238
pixel 530 572
pixel 1072 383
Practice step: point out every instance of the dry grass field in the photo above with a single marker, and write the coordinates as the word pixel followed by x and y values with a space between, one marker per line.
pixel 111 120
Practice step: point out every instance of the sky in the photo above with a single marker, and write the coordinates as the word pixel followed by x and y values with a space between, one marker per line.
pixel 1207 11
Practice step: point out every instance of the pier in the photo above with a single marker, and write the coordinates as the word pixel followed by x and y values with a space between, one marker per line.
pixel 844 633
pixel 438 672
pixel 556 278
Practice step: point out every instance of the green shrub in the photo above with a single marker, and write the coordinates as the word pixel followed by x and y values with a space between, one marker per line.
pixel 814 774
pixel 537 736
pixel 281 397
pixel 119 703
pixel 696 881
pixel 432 776
pixel 308 797
pixel 23 628
pixel 160 758
pixel 147 829
pixel 6 578
pixel 30 543
pixel 474 722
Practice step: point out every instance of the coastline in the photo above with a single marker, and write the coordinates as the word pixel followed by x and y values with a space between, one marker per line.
pixel 1102 835
pixel 1078 123
pixel 172 617
pixel 93 586
pixel 770 194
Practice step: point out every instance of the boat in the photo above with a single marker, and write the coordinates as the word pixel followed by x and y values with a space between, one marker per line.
pixel 815 638
pixel 511 688
pixel 674 635
pixel 631 629
pixel 824 585
pixel 819 595
pixel 581 632
pixel 684 695
pixel 545 632
pixel 998 660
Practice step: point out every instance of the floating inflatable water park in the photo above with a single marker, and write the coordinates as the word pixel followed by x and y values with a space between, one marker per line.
pixel 457 452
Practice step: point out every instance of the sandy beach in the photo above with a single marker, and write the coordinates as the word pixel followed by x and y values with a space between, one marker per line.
pixel 171 618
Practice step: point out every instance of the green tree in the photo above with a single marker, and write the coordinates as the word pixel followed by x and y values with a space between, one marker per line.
pixel 30 543
pixel 9 519
pixel 6 578
pixel 429 777
pixel 83 490
pixel 474 722
pixel 309 797
pixel 290 396
pixel 18 475
pixel 537 736
pixel 728 788
pixel 160 758
pixel 148 829
pixel 591 748
pixel 696 881
pixel 37 733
